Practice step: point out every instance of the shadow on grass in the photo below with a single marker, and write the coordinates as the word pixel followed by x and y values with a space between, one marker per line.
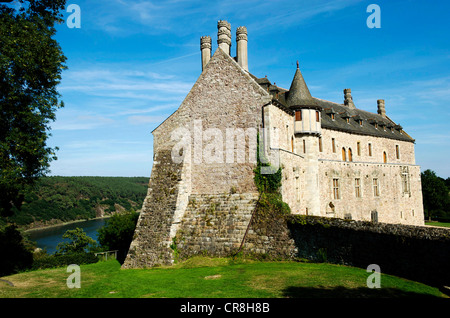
pixel 344 292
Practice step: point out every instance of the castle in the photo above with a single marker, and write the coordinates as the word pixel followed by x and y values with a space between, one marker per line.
pixel 337 161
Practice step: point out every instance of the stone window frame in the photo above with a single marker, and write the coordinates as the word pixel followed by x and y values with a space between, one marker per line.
pixel 358 188
pixel 406 184
pixel 336 188
pixel 376 187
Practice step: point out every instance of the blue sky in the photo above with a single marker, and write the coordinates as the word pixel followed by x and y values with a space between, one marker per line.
pixel 132 63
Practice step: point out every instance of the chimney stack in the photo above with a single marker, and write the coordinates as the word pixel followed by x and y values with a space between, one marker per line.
pixel 381 108
pixel 241 47
pixel 224 36
pixel 205 47
pixel 348 99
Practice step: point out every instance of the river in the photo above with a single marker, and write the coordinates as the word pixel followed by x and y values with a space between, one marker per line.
pixel 48 238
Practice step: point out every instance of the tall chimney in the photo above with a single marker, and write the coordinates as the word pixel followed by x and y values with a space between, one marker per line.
pixel 381 108
pixel 348 99
pixel 224 36
pixel 241 47
pixel 205 47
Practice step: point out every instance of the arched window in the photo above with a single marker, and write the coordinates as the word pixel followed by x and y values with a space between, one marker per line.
pixel 344 155
pixel 350 155
pixel 384 157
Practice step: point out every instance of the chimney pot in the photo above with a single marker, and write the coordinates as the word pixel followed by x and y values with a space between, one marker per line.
pixel 224 35
pixel 241 47
pixel 381 108
pixel 205 47
pixel 348 99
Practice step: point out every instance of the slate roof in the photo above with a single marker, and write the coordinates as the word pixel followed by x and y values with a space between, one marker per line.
pixel 346 119
pixel 298 95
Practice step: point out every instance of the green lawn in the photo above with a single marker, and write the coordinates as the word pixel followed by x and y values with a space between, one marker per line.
pixel 437 224
pixel 212 278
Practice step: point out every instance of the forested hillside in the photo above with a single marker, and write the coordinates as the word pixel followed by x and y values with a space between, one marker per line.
pixel 62 199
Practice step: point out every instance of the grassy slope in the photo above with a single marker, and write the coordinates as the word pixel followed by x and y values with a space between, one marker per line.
pixel 211 278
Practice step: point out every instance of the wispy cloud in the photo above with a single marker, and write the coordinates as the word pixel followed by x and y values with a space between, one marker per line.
pixel 76 120
pixel 139 120
pixel 122 17
pixel 101 81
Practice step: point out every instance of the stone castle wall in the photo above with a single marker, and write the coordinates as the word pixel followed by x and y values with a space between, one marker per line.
pixel 378 146
pixel 151 240
pixel 310 165
pixel 223 101
pixel 419 253
pixel 392 204
pixel 201 170
pixel 195 155
pixel 215 224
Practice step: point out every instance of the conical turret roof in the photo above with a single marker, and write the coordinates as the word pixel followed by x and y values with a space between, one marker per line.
pixel 299 95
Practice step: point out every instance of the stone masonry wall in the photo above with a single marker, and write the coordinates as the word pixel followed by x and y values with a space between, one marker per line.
pixel 151 240
pixel 223 100
pixel 197 135
pixel 215 224
pixel 418 253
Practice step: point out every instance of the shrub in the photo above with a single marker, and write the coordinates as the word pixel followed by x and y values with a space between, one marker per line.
pixel 117 233
pixel 51 261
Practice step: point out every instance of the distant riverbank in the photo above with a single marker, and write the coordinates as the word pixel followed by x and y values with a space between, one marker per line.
pixel 49 237
pixel 55 223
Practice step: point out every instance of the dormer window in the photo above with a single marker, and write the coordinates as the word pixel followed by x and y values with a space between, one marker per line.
pixel 331 112
pixel 346 116
pixel 358 119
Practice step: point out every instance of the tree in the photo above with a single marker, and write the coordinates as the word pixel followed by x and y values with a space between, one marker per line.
pixel 79 242
pixel 435 194
pixel 15 254
pixel 118 232
pixel 31 62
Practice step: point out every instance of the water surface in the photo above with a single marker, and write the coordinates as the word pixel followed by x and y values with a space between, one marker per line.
pixel 49 238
